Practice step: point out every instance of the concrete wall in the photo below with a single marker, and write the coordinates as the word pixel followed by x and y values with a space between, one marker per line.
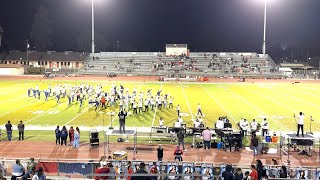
pixel 11 71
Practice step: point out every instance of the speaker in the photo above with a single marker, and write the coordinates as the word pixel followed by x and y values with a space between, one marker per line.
pixel 94 135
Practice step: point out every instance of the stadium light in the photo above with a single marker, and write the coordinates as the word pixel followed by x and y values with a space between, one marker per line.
pixel 264 28
pixel 92 22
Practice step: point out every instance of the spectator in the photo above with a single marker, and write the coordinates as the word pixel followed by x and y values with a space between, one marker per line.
pixel 154 170
pixel 254 143
pixel 227 174
pixel 102 159
pixel 112 170
pixel 283 172
pixel 58 134
pixel 29 173
pixel 76 138
pixel 206 134
pixel 39 175
pixel 71 135
pixel 180 136
pixel 260 169
pixel 17 170
pixel 254 174
pixel 31 164
pixel 21 130
pixel 9 130
pixel 238 174
pixel 246 175
pixel 64 136
pixel 130 170
pixel 178 154
pixel 102 170
pixel 160 153
pixel 141 170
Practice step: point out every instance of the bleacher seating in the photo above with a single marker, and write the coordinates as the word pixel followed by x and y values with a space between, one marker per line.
pixel 196 64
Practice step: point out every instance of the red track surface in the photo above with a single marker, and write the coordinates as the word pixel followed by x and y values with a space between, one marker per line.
pixel 146 152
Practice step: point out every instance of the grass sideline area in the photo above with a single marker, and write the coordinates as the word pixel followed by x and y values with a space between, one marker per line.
pixel 275 101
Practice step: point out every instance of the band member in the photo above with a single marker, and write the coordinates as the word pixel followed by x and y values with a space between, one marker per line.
pixel 161 122
pixel 199 110
pixel 219 123
pixel 265 127
pixel 254 126
pixel 196 123
pixel 243 126
pixel 177 124
pixel 178 109
pixel 300 122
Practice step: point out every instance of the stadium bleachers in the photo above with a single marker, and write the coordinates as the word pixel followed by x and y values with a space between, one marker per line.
pixel 196 64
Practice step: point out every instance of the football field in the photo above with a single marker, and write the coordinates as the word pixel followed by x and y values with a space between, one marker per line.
pixel 275 101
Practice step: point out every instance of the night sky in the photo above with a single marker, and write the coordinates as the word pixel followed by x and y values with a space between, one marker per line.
pixel 147 25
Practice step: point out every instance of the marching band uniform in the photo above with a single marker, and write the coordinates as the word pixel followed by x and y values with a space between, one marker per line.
pixel 243 125
pixel 265 127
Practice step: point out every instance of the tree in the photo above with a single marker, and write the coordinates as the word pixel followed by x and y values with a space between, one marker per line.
pixel 41 31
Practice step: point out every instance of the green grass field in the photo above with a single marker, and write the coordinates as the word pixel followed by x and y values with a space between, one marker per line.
pixel 276 101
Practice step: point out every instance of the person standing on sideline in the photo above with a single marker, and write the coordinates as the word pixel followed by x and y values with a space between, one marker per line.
pixel 178 110
pixel 122 121
pixel 21 130
pixel 64 135
pixel 71 135
pixel 265 127
pixel 199 110
pixel 160 152
pixel 254 143
pixel 76 138
pixel 300 119
pixel 9 130
pixel 180 136
pixel 58 133
pixel 206 135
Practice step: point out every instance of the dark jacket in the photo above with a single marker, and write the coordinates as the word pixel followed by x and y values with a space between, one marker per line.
pixel 141 171
pixel 160 153
pixel 180 136
pixel 227 174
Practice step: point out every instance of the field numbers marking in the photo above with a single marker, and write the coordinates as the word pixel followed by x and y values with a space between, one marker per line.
pixel 37 112
pixel 54 112
pixel 184 114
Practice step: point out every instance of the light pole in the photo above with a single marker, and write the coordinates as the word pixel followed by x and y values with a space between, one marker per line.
pixel 264 28
pixel 92 22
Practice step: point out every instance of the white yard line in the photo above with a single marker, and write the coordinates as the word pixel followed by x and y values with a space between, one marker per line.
pixel 45 112
pixel 8 100
pixel 83 111
pixel 218 102
pixel 257 109
pixel 155 111
pixel 25 105
pixel 187 101
pixel 280 104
